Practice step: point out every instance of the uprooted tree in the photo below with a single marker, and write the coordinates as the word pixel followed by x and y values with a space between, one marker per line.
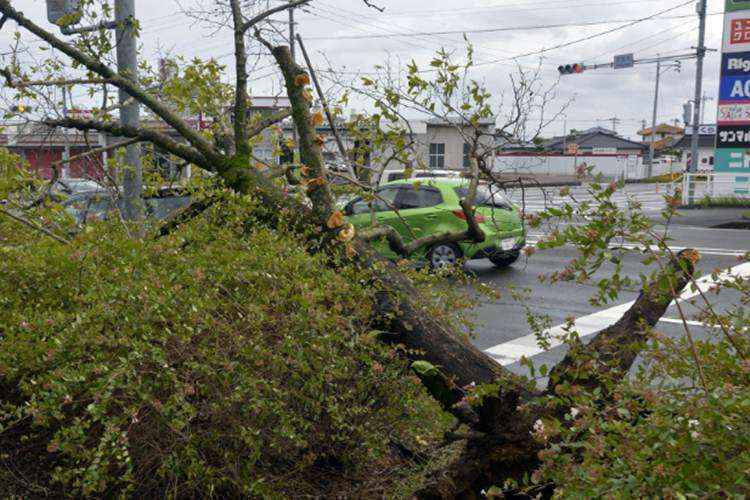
pixel 506 432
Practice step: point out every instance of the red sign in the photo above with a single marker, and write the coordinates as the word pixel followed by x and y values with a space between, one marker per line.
pixel 740 31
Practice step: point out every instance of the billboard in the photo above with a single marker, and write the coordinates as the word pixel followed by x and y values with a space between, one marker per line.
pixel 733 120
pixel 733 5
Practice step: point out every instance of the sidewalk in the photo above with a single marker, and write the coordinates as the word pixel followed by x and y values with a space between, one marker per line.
pixel 728 218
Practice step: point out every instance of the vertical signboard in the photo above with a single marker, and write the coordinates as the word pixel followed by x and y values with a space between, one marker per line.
pixel 733 131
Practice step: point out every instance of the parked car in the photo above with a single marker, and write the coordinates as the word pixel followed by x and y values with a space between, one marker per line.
pixel 76 186
pixel 99 205
pixel 433 207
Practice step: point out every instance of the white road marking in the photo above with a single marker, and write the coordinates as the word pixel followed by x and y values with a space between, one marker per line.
pixel 512 352
pixel 722 252
pixel 678 321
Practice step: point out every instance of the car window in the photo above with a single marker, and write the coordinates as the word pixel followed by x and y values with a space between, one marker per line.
pixel 486 196
pixel 396 176
pixel 421 197
pixel 385 201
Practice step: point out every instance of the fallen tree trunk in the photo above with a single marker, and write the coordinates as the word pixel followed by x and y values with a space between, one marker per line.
pixel 509 450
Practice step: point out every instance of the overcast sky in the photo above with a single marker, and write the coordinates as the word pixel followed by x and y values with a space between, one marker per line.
pixel 356 38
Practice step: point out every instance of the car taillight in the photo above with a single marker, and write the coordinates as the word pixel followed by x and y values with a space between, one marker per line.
pixel 477 217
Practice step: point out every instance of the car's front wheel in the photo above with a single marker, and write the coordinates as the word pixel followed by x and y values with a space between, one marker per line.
pixel 505 259
pixel 444 255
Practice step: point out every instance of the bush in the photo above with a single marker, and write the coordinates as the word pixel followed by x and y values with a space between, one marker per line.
pixel 724 202
pixel 220 361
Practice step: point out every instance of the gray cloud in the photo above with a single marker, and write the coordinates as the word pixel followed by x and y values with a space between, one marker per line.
pixel 626 94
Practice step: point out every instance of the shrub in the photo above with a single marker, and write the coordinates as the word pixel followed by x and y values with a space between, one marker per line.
pixel 222 360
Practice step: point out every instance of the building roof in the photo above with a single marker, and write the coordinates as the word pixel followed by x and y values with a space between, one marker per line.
pixel 662 128
pixel 704 141
pixel 457 120
pixel 595 138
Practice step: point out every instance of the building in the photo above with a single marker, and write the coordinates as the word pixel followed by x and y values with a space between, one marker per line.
pixel 595 141
pixel 663 131
pixel 437 144
pixel 42 147
pixel 706 147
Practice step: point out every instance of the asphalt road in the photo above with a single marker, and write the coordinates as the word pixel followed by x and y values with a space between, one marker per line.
pixel 502 329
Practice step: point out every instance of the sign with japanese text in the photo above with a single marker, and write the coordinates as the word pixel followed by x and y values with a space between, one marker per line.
pixel 734 5
pixel 733 119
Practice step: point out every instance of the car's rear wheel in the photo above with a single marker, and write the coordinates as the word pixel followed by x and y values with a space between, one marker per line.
pixel 505 259
pixel 444 255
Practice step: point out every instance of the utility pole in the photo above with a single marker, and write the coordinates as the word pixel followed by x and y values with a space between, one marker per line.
pixel 615 121
pixel 701 53
pixel 653 122
pixel 292 49
pixel 66 138
pixel 127 64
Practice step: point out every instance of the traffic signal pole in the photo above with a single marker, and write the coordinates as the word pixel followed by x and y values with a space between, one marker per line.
pixel 700 54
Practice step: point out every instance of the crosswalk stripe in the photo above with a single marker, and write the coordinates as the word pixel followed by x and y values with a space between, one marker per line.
pixel 528 346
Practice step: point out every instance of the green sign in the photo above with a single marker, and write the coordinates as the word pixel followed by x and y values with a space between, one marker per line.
pixel 733 5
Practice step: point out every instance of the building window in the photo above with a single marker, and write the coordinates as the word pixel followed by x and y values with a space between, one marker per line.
pixel 467 159
pixel 437 155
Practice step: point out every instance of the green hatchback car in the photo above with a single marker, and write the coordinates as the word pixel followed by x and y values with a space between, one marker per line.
pixel 433 207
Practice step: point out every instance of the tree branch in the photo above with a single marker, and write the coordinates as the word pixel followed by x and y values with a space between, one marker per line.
pixel 296 80
pixel 183 151
pixel 240 91
pixel 373 6
pixel 268 121
pixel 18 84
pixel 324 103
pixel 126 84
pixel 34 225
pixel 609 356
pixel 264 15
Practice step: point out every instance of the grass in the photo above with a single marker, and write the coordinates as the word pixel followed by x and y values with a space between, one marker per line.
pixel 660 179
pixel 746 215
pixel 725 202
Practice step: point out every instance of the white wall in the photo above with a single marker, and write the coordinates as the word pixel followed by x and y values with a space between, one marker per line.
pixel 613 167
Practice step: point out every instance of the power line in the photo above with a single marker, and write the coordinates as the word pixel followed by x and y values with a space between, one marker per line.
pixel 516 28
pixel 536 6
pixel 587 38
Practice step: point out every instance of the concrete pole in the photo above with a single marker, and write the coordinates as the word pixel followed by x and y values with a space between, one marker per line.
pixel 701 53
pixel 66 138
pixel 650 172
pixel 127 64
pixel 293 50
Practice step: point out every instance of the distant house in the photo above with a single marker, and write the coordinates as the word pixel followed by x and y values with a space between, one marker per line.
pixel 706 147
pixel 663 131
pixel 41 146
pixel 596 140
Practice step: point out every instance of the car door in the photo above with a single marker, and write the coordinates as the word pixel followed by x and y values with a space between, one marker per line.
pixel 417 215
pixel 359 212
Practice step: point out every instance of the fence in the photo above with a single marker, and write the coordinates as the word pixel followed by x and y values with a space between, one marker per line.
pixel 696 187
pixel 609 166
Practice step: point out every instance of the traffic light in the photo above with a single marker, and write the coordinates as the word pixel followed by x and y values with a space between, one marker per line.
pixel 569 69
